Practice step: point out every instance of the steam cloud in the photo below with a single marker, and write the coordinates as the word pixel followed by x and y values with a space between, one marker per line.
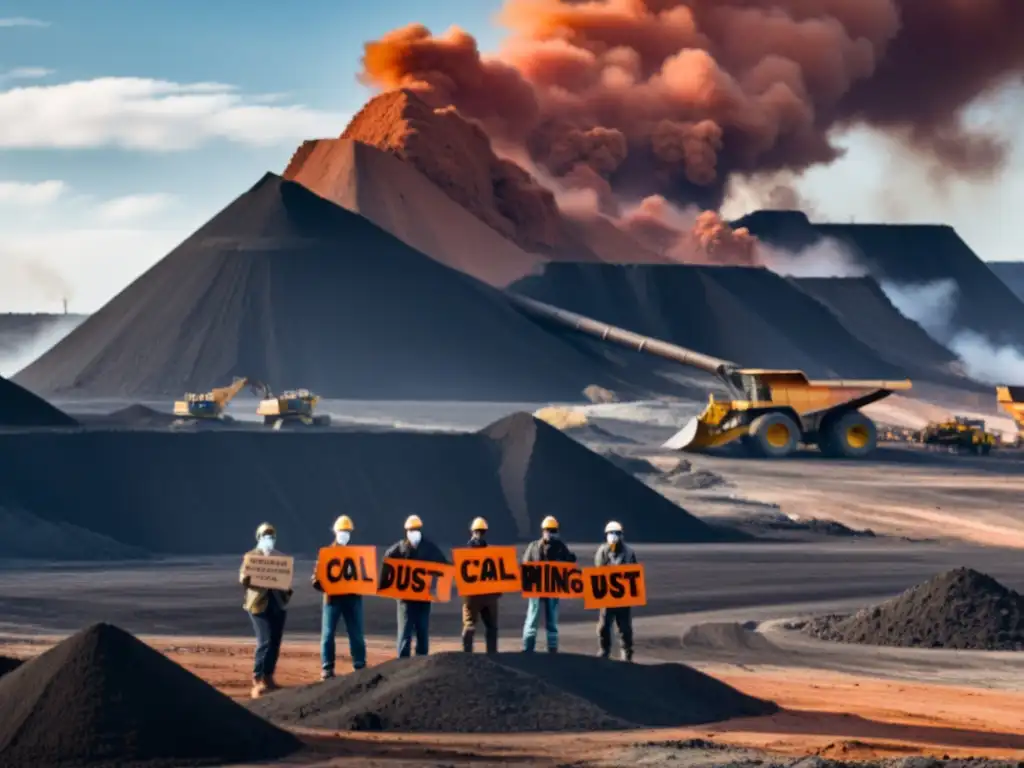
pixel 674 97
pixel 932 306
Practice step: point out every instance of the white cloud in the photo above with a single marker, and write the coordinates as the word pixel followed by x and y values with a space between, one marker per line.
pixel 134 207
pixel 21 21
pixel 26 73
pixel 152 115
pixel 31 193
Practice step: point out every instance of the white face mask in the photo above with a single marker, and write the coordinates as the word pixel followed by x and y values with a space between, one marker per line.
pixel 414 537
pixel 266 544
pixel 342 537
pixel 613 538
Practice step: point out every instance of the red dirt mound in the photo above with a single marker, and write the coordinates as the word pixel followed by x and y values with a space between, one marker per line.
pixel 103 698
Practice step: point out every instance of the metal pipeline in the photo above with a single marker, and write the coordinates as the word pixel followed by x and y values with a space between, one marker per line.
pixel 628 339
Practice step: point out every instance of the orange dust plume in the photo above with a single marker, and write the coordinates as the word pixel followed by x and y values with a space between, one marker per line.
pixel 671 97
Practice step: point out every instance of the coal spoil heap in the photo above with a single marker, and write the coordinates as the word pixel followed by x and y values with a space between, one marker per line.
pixel 103 698
pixel 21 408
pixel 1012 274
pixel 288 288
pixel 748 315
pixel 511 693
pixel 960 609
pixel 908 254
pixel 543 471
pixel 514 473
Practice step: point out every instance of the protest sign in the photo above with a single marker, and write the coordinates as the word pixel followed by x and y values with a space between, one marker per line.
pixel 416 580
pixel 551 579
pixel 614 586
pixel 347 570
pixel 486 570
pixel 269 571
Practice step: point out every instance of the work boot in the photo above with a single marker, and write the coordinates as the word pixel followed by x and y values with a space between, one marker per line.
pixel 552 650
pixel 270 684
pixel 326 674
pixel 467 643
pixel 259 687
pixel 627 654
pixel 602 654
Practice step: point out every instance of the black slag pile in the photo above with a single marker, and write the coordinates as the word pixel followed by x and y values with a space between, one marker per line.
pixel 21 408
pixel 511 693
pixel 960 609
pixel 103 698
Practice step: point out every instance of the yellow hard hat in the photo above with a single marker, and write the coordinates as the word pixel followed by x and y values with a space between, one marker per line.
pixel 478 525
pixel 613 527
pixel 344 523
pixel 413 521
pixel 549 524
pixel 264 530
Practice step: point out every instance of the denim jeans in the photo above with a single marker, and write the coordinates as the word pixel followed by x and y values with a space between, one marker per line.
pixel 269 627
pixel 349 608
pixel 533 611
pixel 413 619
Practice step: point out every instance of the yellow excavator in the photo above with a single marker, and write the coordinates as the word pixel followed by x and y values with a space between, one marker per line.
pixel 959 435
pixel 208 406
pixel 296 406
pixel 770 411
pixel 1012 401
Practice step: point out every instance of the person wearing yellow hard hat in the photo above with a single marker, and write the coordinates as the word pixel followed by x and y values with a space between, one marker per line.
pixel 479 607
pixel 413 615
pixel 267 609
pixel 549 547
pixel 614 551
pixel 335 607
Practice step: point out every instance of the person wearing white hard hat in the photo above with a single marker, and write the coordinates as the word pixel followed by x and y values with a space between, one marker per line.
pixel 335 607
pixel 479 607
pixel 549 547
pixel 267 609
pixel 614 551
pixel 414 615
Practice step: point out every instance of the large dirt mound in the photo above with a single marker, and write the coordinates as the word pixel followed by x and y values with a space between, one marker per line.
pixel 1012 274
pixel 103 698
pixel 288 288
pixel 748 315
pixel 513 473
pixel 510 693
pixel 24 536
pixel 959 609
pixel 910 254
pixel 866 312
pixel 21 408
pixel 543 472
pixel 398 198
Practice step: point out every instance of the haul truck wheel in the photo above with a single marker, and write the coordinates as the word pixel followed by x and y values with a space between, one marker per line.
pixel 774 435
pixel 851 436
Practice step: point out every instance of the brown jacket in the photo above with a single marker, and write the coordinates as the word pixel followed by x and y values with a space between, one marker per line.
pixel 258 598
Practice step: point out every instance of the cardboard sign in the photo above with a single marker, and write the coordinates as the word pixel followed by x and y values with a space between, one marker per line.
pixel 416 580
pixel 347 570
pixel 486 570
pixel 269 571
pixel 551 579
pixel 614 586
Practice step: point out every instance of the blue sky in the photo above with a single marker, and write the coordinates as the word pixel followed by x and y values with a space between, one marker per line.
pixel 122 154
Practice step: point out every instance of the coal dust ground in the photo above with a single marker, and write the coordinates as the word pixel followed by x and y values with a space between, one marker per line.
pixel 960 609
pixel 511 693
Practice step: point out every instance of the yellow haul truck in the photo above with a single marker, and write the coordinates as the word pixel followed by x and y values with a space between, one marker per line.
pixel 1012 401
pixel 770 411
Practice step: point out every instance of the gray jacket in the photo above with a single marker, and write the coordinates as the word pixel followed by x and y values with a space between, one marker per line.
pixel 622 555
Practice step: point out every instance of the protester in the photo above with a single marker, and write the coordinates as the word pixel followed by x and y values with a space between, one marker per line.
pixel 479 607
pixel 335 607
pixel 615 552
pixel 548 548
pixel 268 609
pixel 414 615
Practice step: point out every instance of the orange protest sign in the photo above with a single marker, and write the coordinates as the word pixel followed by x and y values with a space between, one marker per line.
pixel 551 579
pixel 416 580
pixel 614 586
pixel 347 570
pixel 486 570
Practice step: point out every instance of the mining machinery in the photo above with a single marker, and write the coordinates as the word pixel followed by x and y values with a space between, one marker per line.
pixel 208 406
pixel 771 412
pixel 959 435
pixel 1012 401
pixel 296 406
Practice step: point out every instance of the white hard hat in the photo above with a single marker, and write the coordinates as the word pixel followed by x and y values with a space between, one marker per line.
pixel 613 527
